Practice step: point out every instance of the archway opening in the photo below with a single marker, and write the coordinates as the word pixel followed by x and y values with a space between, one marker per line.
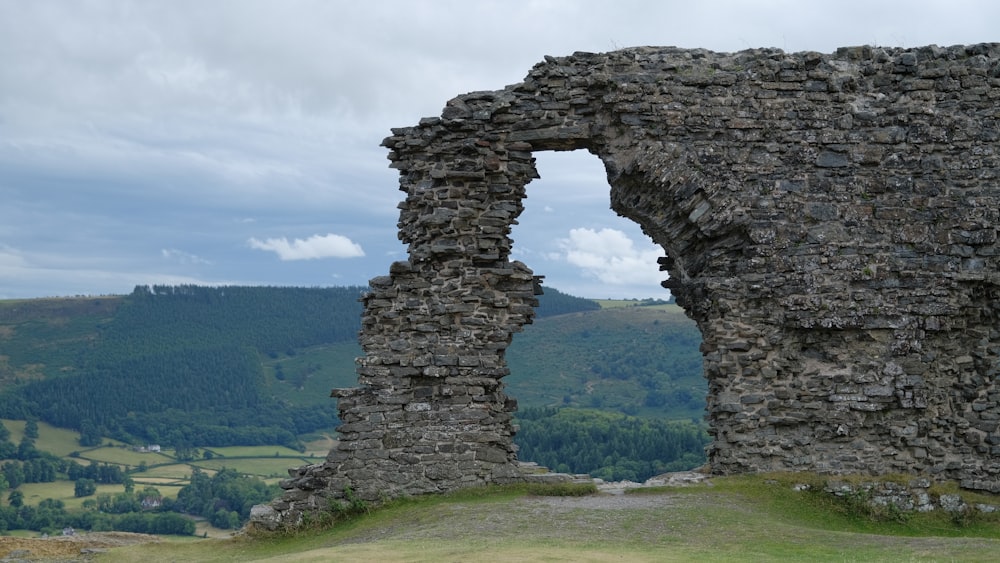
pixel 568 233
pixel 609 377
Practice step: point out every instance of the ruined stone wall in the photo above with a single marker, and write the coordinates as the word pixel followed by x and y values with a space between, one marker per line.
pixel 828 220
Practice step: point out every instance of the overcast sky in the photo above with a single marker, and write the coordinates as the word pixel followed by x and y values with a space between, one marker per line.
pixel 237 142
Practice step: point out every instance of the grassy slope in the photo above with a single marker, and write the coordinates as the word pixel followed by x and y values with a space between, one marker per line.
pixel 737 519
pixel 312 372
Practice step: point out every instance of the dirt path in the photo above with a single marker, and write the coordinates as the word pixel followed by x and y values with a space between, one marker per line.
pixel 80 547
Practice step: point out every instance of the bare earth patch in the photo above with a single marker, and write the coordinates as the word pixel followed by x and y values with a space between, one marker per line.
pixel 80 547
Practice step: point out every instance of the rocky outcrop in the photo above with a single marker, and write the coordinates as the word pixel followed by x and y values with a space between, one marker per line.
pixel 828 220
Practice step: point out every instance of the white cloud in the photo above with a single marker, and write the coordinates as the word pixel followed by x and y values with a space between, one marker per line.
pixel 316 246
pixel 182 257
pixel 611 257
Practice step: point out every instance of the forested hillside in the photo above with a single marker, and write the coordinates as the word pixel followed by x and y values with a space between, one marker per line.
pixel 617 393
pixel 637 360
pixel 178 365
pixel 608 445
pixel 188 366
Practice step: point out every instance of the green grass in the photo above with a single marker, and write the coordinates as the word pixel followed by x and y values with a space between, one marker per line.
pixel 166 490
pixel 172 471
pixel 34 493
pixel 259 467
pixel 757 518
pixel 254 451
pixel 320 445
pixel 817 509
pixel 61 490
pixel 260 461
pixel 264 467
pixel 58 441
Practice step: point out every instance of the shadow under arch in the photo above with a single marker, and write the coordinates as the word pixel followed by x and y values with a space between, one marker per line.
pixel 844 287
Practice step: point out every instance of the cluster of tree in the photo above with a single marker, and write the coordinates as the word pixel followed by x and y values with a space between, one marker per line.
pixel 51 516
pixel 125 502
pixel 610 446
pixel 656 363
pixel 225 498
pixel 49 334
pixel 23 450
pixel 103 473
pixel 36 470
pixel 24 463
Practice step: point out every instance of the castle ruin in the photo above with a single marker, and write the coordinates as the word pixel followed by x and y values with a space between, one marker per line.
pixel 829 221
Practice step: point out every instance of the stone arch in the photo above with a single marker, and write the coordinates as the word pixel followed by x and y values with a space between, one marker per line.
pixel 830 222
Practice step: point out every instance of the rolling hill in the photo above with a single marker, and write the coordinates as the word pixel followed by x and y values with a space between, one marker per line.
pixel 192 366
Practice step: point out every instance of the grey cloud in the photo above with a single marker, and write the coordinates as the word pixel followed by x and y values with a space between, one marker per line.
pixel 131 127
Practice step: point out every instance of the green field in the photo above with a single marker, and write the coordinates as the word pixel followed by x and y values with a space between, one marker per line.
pixel 163 471
pixel 179 472
pixel 259 466
pixel 254 451
pixel 124 455
pixel 35 493
pixel 58 441
pixel 739 519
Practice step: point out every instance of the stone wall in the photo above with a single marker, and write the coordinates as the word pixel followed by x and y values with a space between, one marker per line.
pixel 828 220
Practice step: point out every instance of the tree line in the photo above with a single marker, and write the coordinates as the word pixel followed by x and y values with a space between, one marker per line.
pixel 607 445
pixel 51 516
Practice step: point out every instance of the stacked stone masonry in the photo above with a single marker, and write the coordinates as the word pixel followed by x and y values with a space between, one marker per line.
pixel 828 220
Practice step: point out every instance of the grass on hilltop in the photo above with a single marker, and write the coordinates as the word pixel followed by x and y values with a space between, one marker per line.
pixel 750 518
